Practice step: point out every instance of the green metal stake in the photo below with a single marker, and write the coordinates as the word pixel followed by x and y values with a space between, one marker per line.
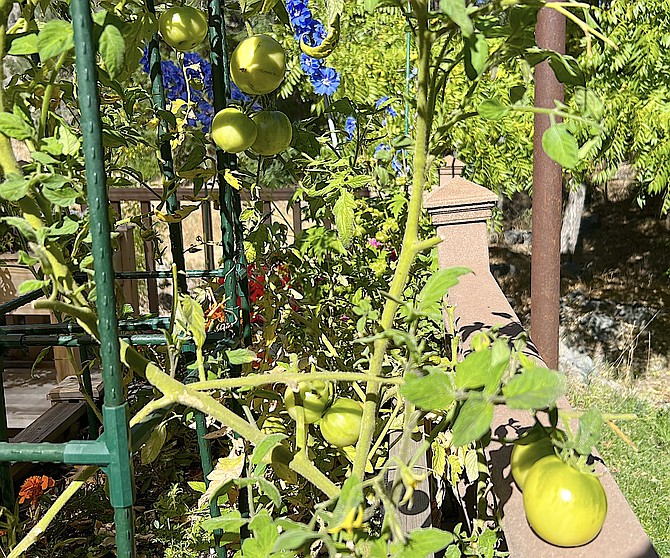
pixel 115 407
pixel 158 97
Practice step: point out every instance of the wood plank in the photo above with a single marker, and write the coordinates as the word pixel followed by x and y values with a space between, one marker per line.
pixel 68 389
pixel 26 395
pixel 149 263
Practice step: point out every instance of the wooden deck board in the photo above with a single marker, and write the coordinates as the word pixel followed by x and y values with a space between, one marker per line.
pixel 26 395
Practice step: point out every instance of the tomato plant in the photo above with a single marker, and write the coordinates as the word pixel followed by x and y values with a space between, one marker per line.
pixel 258 64
pixel 233 131
pixel 563 505
pixel 183 27
pixel 341 424
pixel 274 132
pixel 526 452
pixel 315 396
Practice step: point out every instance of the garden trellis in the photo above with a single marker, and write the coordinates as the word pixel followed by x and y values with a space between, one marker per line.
pixel 113 450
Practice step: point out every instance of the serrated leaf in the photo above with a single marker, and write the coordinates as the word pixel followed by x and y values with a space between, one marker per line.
pixel 588 433
pixel 293 539
pixel 14 188
pixel 438 284
pixel 229 522
pixel 473 371
pixel 240 356
pixel 423 542
pixel 153 446
pixel 112 50
pixel 22 226
pixel 24 46
pixel 457 12
pixel 534 388
pixel 432 392
pixel 58 190
pixel 192 313
pixel 471 465
pixel 69 141
pixel 476 54
pixel 14 126
pixel 500 354
pixel 227 469
pixel 492 109
pixel 56 37
pixel 31 285
pixel 473 421
pixel 439 455
pixel 176 217
pixel 67 226
pixel 561 145
pixel 265 446
pixel 344 216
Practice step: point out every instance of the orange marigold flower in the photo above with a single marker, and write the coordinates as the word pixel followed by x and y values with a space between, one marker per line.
pixel 33 488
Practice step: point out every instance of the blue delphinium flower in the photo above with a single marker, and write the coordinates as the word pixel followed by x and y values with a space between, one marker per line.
pixel 312 32
pixel 388 108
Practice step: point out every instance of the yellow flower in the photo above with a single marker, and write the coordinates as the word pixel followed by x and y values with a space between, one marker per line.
pixel 353 520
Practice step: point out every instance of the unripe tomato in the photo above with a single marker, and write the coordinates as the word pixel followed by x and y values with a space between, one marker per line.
pixel 563 505
pixel 233 131
pixel 341 424
pixel 315 397
pixel 526 452
pixel 258 65
pixel 183 27
pixel 274 132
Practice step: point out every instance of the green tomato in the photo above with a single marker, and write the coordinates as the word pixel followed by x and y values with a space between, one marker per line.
pixel 258 65
pixel 274 132
pixel 341 424
pixel 315 397
pixel 233 131
pixel 183 27
pixel 526 452
pixel 564 506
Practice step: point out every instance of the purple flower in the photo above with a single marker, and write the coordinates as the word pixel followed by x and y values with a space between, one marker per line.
pixel 326 81
pixel 374 242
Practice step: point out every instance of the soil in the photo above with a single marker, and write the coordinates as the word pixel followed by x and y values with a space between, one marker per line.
pixel 615 289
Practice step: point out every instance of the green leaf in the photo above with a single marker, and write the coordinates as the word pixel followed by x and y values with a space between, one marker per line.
pixel 516 93
pixel 198 486
pixel 432 392
pixel 24 45
pixel 344 216
pixel 31 285
pixel 192 314
pixel 423 542
pixel 112 50
pixel 588 433
pixel 492 109
pixel 153 446
pixel 14 126
pixel 566 69
pixel 240 356
pixel 293 539
pixel 14 188
pixel 500 354
pixel 351 496
pixel 68 140
pixel 228 522
pixel 534 388
pixel 56 37
pixel 458 13
pixel 264 447
pixel 265 534
pixel 66 227
pixel 473 421
pixel 474 370
pixel 22 226
pixel 561 145
pixel 438 284
pixel 227 469
pixel 476 51
pixel 471 465
pixel 58 190
pixel 453 552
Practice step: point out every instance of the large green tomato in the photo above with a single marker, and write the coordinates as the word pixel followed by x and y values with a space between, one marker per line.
pixel 315 397
pixel 526 452
pixel 183 27
pixel 258 65
pixel 563 505
pixel 341 424
pixel 233 131
pixel 274 132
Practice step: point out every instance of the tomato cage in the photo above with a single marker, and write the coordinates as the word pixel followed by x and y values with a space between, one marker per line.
pixel 112 451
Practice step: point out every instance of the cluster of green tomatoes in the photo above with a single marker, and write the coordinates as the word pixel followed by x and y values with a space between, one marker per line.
pixel 338 420
pixel 257 66
pixel 565 505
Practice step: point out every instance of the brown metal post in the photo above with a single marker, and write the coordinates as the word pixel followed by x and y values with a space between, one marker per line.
pixel 545 284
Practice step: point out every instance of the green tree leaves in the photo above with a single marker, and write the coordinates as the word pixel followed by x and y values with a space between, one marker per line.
pixel 561 145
